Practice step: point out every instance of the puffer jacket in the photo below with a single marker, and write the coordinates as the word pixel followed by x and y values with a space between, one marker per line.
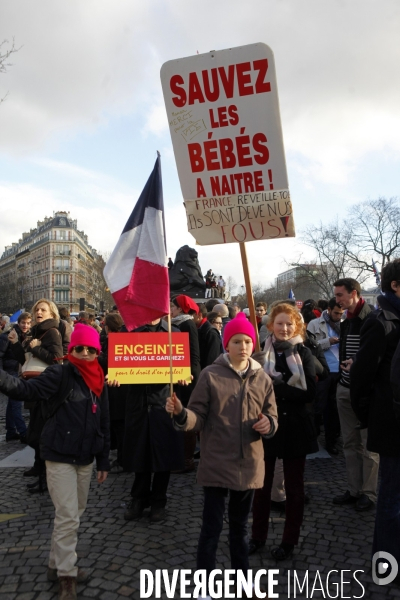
pixel 74 434
pixel 224 407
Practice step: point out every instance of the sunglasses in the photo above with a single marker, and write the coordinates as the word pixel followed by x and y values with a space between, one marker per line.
pixel 90 349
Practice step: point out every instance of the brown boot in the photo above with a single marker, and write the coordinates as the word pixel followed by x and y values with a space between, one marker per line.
pixel 67 589
pixel 52 575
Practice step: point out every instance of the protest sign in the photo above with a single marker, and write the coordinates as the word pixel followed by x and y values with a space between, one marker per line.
pixel 223 112
pixel 145 357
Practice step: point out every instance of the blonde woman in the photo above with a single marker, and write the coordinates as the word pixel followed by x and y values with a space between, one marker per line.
pixel 46 344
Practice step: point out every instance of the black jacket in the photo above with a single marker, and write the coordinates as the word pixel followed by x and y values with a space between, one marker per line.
pixel 190 327
pixel 8 361
pixel 151 443
pixel 74 435
pixel 116 395
pixel 370 389
pixel 296 435
pixel 321 366
pixel 210 344
pixel 349 334
pixel 51 341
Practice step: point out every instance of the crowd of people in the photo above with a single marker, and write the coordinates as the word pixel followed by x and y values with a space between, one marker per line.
pixel 253 415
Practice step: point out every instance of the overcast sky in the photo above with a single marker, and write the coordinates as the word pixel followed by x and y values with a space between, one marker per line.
pixel 84 115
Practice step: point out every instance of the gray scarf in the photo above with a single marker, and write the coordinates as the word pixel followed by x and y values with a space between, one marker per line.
pixel 180 319
pixel 335 325
pixel 293 361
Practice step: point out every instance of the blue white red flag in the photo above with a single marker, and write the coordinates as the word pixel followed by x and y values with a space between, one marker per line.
pixel 14 317
pixel 137 271
pixel 291 295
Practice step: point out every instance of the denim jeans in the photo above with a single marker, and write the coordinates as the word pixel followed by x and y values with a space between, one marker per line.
pixel 387 520
pixel 239 506
pixel 14 420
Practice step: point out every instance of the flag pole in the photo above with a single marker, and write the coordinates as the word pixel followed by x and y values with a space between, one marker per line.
pixel 171 384
pixel 249 292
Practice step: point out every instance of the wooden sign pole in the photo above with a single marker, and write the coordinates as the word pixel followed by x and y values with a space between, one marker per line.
pixel 171 384
pixel 249 292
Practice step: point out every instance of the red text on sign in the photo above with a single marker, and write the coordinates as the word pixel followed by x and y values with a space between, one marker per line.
pixel 228 153
pixel 220 118
pixel 201 89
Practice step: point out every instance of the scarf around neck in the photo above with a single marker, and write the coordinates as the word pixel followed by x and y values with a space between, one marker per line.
pixel 357 310
pixel 91 372
pixel 393 300
pixel 335 325
pixel 293 360
pixel 180 319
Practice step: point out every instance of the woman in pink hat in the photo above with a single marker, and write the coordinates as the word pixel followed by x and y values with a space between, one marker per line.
pixel 76 431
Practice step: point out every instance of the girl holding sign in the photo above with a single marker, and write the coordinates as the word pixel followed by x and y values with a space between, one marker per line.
pixel 234 407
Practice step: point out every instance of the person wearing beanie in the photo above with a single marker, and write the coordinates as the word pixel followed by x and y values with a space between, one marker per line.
pixel 234 407
pixel 76 431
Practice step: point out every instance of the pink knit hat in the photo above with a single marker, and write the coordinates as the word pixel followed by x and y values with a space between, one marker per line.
pixel 239 324
pixel 84 335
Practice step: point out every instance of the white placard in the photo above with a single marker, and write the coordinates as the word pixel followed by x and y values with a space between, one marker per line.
pixel 224 119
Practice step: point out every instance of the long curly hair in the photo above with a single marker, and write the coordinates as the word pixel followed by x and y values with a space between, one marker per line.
pixel 295 315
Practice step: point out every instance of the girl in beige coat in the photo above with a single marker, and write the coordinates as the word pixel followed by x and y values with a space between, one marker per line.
pixel 233 405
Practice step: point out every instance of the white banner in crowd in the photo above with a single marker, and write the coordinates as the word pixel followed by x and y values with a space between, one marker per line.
pixel 223 112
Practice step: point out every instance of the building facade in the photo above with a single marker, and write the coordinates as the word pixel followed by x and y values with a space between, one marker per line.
pixel 298 279
pixel 53 261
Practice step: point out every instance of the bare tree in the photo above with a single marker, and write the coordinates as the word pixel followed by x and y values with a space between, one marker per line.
pixel 230 286
pixel 375 232
pixel 97 286
pixel 347 248
pixel 6 50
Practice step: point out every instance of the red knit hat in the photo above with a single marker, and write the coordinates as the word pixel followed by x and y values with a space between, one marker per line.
pixel 186 304
pixel 84 335
pixel 239 324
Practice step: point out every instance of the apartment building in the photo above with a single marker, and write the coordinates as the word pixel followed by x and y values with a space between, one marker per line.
pixel 54 260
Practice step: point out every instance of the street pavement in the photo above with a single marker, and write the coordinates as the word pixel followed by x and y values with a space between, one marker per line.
pixel 333 538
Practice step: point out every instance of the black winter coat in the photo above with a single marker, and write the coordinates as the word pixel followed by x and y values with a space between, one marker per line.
pixel 321 366
pixel 210 344
pixel 370 389
pixel 51 341
pixel 296 435
pixel 190 327
pixel 151 443
pixel 74 435
pixel 8 362
pixel 116 395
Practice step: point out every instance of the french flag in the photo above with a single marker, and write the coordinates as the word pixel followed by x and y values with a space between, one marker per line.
pixel 137 271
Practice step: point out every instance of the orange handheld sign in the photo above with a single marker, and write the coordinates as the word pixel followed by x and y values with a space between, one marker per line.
pixel 145 357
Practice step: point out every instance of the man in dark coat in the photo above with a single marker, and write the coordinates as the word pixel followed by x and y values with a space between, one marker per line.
pixel 210 343
pixel 151 444
pixel 373 402
pixel 361 465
